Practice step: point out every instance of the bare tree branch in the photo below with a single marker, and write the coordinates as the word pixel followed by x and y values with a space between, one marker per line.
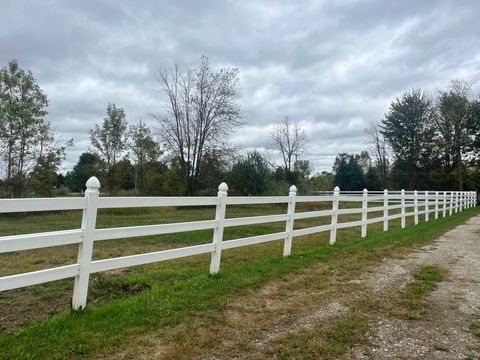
pixel 201 111
pixel 380 150
pixel 290 139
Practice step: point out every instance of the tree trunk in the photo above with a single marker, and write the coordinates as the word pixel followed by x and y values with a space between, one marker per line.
pixel 459 169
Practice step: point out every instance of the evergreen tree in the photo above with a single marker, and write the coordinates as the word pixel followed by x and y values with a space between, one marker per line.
pixel 410 130
pixel 250 175
pixel 89 164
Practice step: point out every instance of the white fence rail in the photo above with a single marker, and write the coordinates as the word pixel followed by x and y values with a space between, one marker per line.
pixel 440 204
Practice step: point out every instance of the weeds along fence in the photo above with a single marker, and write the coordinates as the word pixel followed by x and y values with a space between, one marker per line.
pixel 435 204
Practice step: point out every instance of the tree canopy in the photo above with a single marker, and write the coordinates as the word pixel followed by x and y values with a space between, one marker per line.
pixel 27 141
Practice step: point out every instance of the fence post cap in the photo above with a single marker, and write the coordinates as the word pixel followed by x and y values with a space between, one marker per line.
pixel 222 189
pixel 365 191
pixel 415 192
pixel 426 192
pixel 293 189
pixel 385 191
pixel 403 191
pixel 93 183
pixel 337 189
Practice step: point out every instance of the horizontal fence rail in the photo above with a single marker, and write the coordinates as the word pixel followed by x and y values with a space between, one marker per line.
pixel 379 205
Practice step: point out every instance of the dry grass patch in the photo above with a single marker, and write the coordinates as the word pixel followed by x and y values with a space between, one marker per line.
pixel 323 341
pixel 412 302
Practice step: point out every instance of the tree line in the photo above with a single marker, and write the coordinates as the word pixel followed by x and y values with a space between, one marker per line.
pixel 187 153
pixel 422 142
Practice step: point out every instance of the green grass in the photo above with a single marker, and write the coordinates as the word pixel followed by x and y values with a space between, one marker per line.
pixel 32 304
pixel 426 280
pixel 28 305
pixel 474 329
pixel 474 326
pixel 174 294
pixel 412 302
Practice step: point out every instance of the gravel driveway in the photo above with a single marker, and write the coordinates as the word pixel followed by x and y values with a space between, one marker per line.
pixel 443 332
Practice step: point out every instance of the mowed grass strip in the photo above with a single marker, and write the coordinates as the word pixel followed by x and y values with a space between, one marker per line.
pixel 178 294
pixel 25 306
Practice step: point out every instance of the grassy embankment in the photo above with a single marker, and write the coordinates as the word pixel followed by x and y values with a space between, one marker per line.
pixel 142 299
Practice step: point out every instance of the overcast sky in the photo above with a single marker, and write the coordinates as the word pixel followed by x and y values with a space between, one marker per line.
pixel 332 65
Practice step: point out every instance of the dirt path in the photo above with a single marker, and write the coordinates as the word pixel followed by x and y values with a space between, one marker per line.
pixel 442 332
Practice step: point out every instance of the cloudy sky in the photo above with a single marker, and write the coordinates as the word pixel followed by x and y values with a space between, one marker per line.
pixel 332 65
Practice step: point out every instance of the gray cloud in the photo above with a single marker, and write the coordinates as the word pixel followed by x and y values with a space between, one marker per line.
pixel 332 65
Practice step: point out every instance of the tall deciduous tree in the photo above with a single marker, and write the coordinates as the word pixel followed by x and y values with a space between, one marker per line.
pixel 475 129
pixel 201 111
pixel 110 139
pixel 409 128
pixel 290 139
pixel 27 141
pixel 145 150
pixel 454 123
pixel 379 146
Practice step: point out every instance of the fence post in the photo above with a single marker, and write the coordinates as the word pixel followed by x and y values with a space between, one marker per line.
pixel 287 246
pixel 427 214
pixel 402 210
pixel 364 212
pixel 218 231
pixel 456 202
pixel 385 210
pixel 436 205
pixel 460 205
pixel 444 207
pixel 415 206
pixel 450 209
pixel 335 203
pixel 85 248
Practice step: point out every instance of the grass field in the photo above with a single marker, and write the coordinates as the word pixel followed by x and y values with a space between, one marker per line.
pixel 124 304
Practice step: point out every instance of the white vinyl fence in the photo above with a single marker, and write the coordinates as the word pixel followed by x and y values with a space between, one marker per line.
pixel 435 204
